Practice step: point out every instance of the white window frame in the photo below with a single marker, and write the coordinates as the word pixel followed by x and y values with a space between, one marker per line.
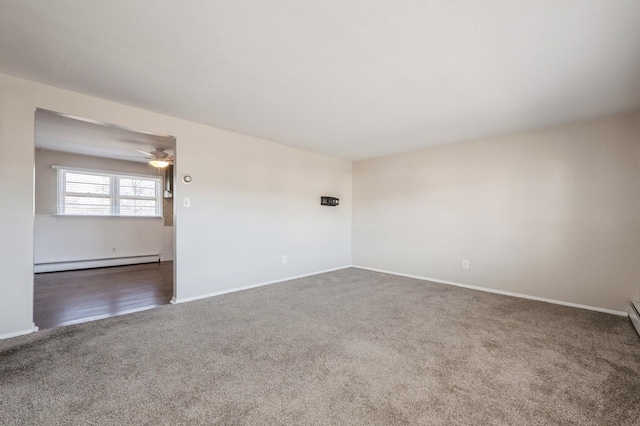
pixel 114 187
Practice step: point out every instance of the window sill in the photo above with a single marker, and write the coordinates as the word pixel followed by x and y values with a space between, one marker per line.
pixel 85 216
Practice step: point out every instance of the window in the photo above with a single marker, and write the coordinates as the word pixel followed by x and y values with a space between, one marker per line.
pixel 98 193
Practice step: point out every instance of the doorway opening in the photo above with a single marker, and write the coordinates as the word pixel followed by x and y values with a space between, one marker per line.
pixel 104 226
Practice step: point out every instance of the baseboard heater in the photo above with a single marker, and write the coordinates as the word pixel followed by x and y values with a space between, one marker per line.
pixel 634 315
pixel 94 263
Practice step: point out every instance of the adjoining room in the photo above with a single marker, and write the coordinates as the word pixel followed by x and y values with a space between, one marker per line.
pixel 103 220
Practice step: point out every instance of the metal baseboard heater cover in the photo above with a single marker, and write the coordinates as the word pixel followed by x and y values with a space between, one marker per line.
pixel 634 315
pixel 94 263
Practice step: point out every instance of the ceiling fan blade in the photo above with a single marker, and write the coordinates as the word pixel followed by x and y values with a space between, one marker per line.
pixel 145 153
pixel 132 156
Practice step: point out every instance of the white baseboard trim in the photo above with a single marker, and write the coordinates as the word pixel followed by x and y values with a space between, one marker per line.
pixel 19 333
pixel 634 316
pixel 94 263
pixel 248 287
pixel 505 293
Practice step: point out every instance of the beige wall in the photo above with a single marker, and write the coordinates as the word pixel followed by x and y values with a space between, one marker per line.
pixel 552 213
pixel 252 201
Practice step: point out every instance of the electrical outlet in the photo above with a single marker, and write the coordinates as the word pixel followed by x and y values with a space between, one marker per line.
pixel 465 264
pixel 114 250
pixel 284 258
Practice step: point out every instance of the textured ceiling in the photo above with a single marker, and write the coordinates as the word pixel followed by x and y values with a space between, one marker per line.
pixel 349 78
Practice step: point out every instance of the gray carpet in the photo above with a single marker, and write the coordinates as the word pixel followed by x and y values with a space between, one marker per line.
pixel 348 347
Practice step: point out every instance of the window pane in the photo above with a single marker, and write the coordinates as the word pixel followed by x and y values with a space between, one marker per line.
pixel 129 207
pixel 133 187
pixel 87 188
pixel 79 183
pixel 87 205
pixel 86 178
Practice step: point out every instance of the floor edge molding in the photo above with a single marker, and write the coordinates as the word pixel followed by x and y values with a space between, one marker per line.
pixel 33 329
pixel 176 300
pixel 495 291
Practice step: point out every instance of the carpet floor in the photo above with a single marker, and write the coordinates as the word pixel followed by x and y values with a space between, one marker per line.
pixel 347 347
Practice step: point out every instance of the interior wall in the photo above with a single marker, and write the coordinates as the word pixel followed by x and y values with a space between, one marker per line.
pixel 552 213
pixel 252 201
pixel 67 239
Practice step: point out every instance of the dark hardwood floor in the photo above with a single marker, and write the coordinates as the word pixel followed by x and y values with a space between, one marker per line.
pixel 62 298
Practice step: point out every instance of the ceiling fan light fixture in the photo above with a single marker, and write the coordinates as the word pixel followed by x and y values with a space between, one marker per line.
pixel 160 164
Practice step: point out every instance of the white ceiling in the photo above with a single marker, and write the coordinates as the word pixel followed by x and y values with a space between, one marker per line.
pixel 349 78
pixel 59 133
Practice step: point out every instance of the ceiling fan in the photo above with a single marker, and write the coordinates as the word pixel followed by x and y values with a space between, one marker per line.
pixel 157 158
